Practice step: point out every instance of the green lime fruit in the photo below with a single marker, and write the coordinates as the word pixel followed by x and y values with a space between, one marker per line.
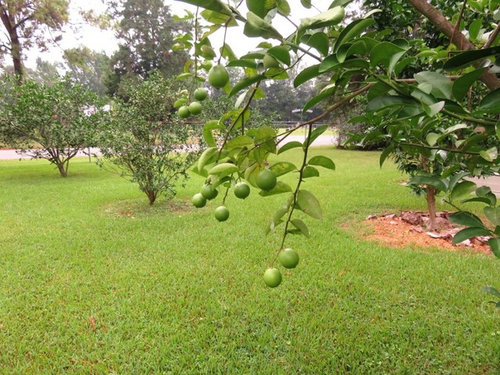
pixel 200 94
pixel 272 277
pixel 209 192
pixel 270 62
pixel 221 213
pixel 184 112
pixel 242 190
pixel 218 76
pixel 289 258
pixel 195 108
pixel 266 180
pixel 199 200
pixel 207 52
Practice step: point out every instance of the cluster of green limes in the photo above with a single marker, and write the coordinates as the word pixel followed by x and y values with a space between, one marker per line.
pixel 288 258
pixel 195 107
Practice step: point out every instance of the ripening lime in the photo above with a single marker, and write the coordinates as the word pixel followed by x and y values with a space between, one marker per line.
pixel 198 200
pixel 266 180
pixel 242 190
pixel 195 108
pixel 218 76
pixel 209 192
pixel 221 213
pixel 200 94
pixel 272 277
pixel 270 62
pixel 184 112
pixel 289 258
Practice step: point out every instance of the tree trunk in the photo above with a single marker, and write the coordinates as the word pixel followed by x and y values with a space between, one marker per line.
pixel 431 206
pixel 15 44
pixel 151 196
pixel 62 170
pixel 459 39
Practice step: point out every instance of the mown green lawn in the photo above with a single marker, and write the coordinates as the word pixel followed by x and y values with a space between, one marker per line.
pixel 173 291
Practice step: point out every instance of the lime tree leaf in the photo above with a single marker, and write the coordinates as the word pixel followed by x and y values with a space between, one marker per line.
pixel 462 189
pixel 463 84
pixel 183 76
pixel 206 156
pixel 245 82
pixel 490 154
pixel 258 7
pixel 306 3
pixel 280 188
pixel 433 181
pixel 322 161
pixel 493 214
pixel 318 98
pixel 319 41
pixel 306 75
pixel 384 101
pixel 244 63
pixel 339 3
pixel 432 138
pixel 466 218
pixel 223 169
pixel 328 18
pixel 468 57
pixel 353 30
pixel 282 167
pixel 207 131
pixel 467 233
pixel 474 29
pixel 386 54
pixel 328 63
pixel 495 247
pixel 215 5
pixel 280 53
pixel 180 102
pixel 257 27
pixel 240 141
pixel 289 146
pixel 433 109
pixel 310 172
pixel 308 203
pixel 283 7
pixel 315 134
pixel 301 226
pixel 490 103
pixel 441 85
pixel 383 157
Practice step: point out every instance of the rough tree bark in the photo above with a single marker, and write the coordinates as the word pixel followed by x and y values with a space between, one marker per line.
pixel 459 39
pixel 11 27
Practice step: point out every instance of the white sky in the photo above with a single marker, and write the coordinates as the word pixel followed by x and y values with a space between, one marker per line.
pixel 104 40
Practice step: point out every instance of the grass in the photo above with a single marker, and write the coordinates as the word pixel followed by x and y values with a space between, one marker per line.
pixel 95 281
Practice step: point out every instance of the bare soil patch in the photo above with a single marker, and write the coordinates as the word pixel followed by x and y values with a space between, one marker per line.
pixel 139 208
pixel 409 230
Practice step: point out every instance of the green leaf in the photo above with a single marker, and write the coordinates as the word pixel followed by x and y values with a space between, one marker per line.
pixel 328 63
pixel 466 218
pixel 280 188
pixel 433 181
pixel 461 85
pixel 305 75
pixel 245 82
pixel 183 76
pixel 468 57
pixel 289 146
pixel 215 5
pixel 384 101
pixel 223 169
pixel 433 109
pixel 387 151
pixel 386 54
pixel 280 53
pixel 258 7
pixel 475 28
pixel 206 156
pixel 491 102
pixel 282 167
pixel 310 172
pixel 322 161
pixel 490 154
pixel 339 3
pixel 283 7
pixel 441 85
pixel 328 18
pixel 319 41
pixel 207 131
pixel 180 102
pixel 493 214
pixel 308 203
pixel 353 30
pixel 306 3
pixel 301 226
pixel 315 134
pixel 432 138
pixel 240 141
pixel 467 233
pixel 495 248
pixel 243 63
pixel 257 27
pixel 318 98
pixel 462 189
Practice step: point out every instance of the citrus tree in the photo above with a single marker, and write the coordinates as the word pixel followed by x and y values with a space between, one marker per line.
pixel 146 139
pixel 50 121
pixel 428 120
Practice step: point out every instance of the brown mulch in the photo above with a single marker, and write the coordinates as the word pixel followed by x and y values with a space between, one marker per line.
pixel 409 229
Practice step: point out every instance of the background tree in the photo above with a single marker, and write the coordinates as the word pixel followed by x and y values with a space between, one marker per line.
pixel 50 121
pixel 146 31
pixel 146 139
pixel 88 68
pixel 28 23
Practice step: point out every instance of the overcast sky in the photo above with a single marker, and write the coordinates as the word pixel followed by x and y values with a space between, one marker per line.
pixel 78 34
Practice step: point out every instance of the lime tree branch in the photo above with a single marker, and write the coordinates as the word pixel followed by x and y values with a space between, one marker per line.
pixel 438 148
